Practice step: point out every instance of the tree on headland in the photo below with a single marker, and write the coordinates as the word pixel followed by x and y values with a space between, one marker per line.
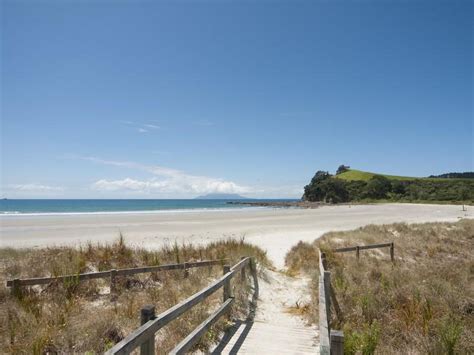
pixel 323 187
pixel 342 168
pixel 314 191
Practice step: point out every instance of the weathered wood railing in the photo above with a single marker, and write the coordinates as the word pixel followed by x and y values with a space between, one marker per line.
pixel 331 341
pixel 17 283
pixel 358 248
pixel 144 336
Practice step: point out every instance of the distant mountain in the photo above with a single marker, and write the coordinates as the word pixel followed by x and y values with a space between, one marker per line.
pixel 221 197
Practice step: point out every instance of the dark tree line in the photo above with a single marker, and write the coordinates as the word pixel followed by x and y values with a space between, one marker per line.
pixel 466 175
pixel 328 188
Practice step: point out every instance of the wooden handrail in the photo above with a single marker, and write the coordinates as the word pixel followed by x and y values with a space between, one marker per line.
pixel 357 248
pixel 324 308
pixel 118 272
pixel 147 331
pixel 331 342
pixel 197 333
pixel 362 247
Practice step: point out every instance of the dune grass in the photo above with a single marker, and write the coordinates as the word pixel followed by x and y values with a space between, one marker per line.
pixel 83 318
pixel 421 304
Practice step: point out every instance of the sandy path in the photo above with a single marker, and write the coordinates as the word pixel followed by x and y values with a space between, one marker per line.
pixel 274 330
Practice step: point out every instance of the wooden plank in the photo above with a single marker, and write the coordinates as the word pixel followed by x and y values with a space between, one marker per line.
pixel 375 246
pixel 242 263
pixel 119 272
pixel 362 247
pixel 324 338
pixel 324 308
pixel 47 280
pixel 197 333
pixel 133 340
pixel 343 250
pixel 146 269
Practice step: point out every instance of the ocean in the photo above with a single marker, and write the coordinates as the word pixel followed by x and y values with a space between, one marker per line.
pixel 76 206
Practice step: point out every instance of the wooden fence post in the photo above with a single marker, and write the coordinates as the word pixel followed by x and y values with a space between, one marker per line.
pixel 113 285
pixel 226 288
pixel 253 271
pixel 392 252
pixel 242 274
pixel 337 342
pixel 357 252
pixel 186 271
pixel 16 290
pixel 147 313
pixel 324 261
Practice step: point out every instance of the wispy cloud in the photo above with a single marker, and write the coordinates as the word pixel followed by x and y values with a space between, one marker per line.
pixel 151 126
pixel 34 187
pixel 140 127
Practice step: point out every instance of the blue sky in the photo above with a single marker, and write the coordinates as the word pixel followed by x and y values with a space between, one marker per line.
pixel 155 99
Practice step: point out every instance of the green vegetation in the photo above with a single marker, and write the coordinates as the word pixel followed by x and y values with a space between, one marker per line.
pixel 351 185
pixel 359 175
pixel 82 317
pixel 421 304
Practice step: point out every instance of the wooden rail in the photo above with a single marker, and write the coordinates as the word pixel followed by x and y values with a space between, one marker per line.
pixel 331 341
pixel 16 283
pixel 144 336
pixel 358 248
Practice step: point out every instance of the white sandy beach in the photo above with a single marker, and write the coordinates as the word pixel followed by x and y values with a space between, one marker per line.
pixel 275 230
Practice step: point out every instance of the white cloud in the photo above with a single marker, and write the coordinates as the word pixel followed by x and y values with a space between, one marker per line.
pixel 174 183
pixel 185 185
pixel 142 130
pixel 165 181
pixel 33 187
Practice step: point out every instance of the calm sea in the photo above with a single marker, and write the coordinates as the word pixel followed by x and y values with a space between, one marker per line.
pixel 11 207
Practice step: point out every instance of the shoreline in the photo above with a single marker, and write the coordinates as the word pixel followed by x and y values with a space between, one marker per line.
pixel 275 230
pixel 317 204
pixel 138 212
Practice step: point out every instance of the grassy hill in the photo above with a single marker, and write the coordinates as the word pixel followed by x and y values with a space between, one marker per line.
pixel 358 185
pixel 359 175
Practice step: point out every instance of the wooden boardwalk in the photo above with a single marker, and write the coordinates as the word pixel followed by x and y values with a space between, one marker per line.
pixel 274 330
